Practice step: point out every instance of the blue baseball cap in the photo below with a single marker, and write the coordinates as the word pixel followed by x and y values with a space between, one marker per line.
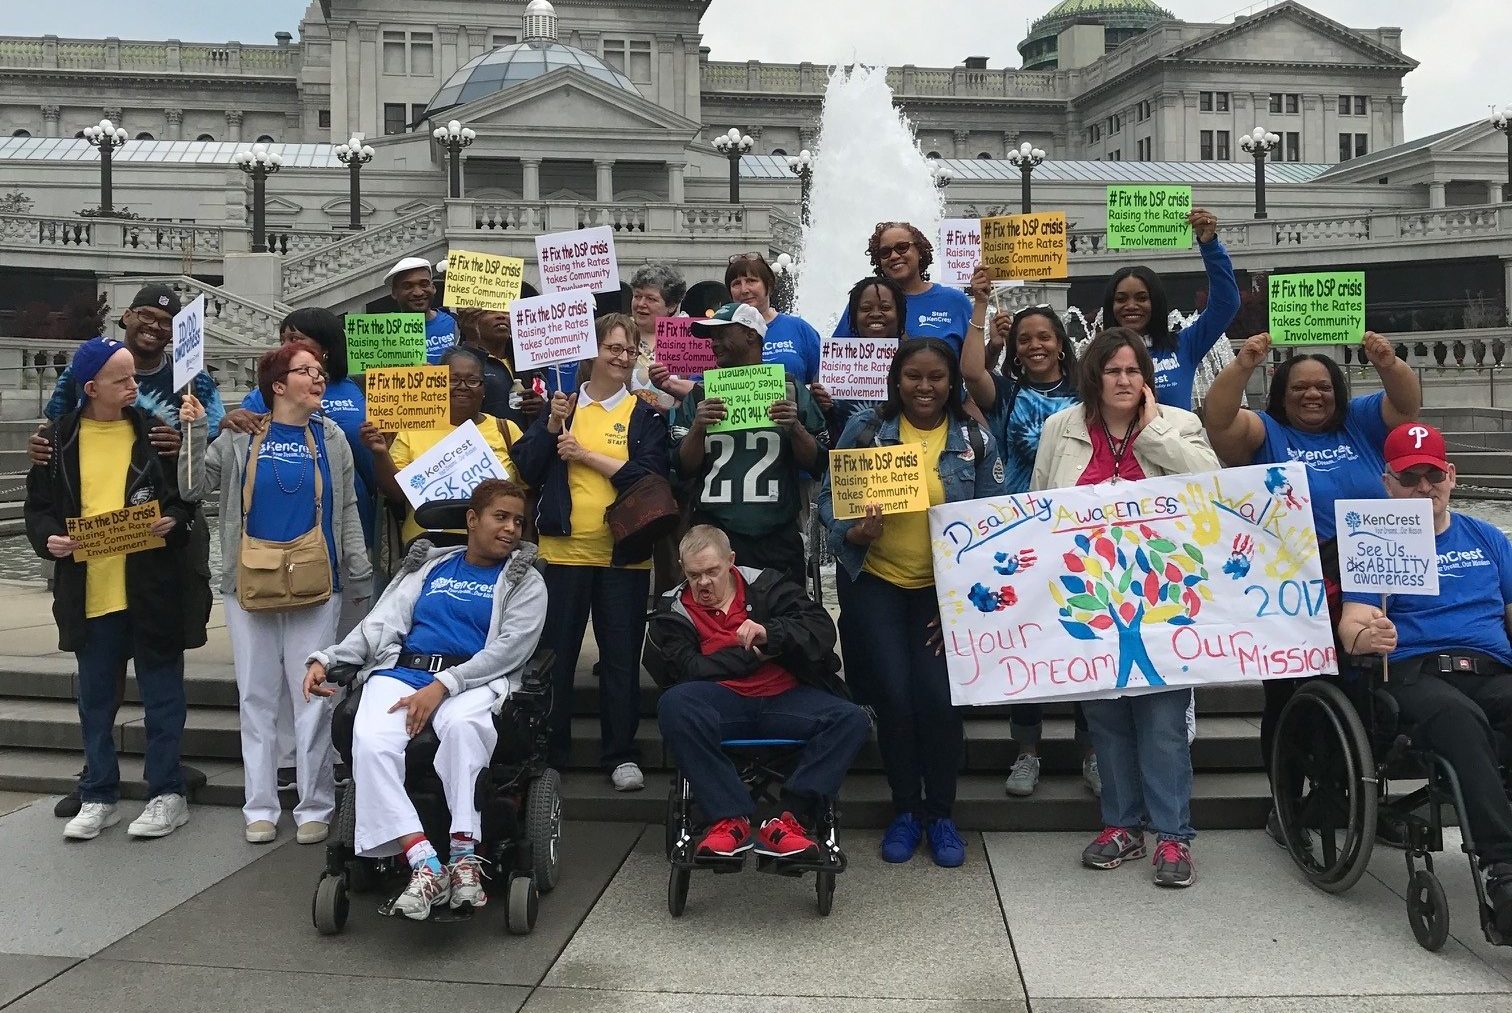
pixel 91 357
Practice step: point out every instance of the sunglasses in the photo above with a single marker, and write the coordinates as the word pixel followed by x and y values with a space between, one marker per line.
pixel 895 250
pixel 741 258
pixel 1414 477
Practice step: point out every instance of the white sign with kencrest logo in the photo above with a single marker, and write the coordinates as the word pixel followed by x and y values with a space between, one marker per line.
pixel 1387 546
pixel 451 469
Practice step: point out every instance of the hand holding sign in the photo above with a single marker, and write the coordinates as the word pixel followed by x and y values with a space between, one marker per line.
pixel 189 343
pixel 1379 636
pixel 747 394
pixel 1252 352
pixel 1378 350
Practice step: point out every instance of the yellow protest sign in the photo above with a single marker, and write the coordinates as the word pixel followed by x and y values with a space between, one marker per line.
pixel 482 280
pixel 1025 247
pixel 114 532
pixel 888 477
pixel 409 397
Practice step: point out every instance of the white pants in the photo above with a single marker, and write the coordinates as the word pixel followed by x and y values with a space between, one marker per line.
pixel 269 650
pixel 351 615
pixel 385 814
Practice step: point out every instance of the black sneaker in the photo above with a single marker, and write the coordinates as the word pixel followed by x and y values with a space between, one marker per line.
pixel 286 779
pixel 1273 827
pixel 1499 893
pixel 69 805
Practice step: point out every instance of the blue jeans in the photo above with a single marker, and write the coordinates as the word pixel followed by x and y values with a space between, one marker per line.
pixel 616 597
pixel 1145 761
pixel 1026 722
pixel 108 642
pixel 906 682
pixel 696 716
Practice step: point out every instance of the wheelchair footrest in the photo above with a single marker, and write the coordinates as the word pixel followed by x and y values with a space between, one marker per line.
pixel 438 915
pixel 833 863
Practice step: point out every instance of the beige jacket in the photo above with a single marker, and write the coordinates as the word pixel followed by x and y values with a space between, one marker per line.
pixel 1174 444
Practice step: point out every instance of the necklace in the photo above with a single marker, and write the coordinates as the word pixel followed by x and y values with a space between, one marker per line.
pixel 1119 448
pixel 300 484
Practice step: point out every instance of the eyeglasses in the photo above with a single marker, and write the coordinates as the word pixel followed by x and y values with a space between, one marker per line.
pixel 312 372
pixel 153 322
pixel 895 250
pixel 1414 478
pixel 740 258
pixel 620 351
pixel 466 382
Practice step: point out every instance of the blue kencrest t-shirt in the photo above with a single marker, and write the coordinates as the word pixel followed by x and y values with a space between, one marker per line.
pixel 452 615
pixel 283 493
pixel 793 344
pixel 1175 371
pixel 939 312
pixel 1344 464
pixel 440 334
pixel 1017 419
pixel 1469 612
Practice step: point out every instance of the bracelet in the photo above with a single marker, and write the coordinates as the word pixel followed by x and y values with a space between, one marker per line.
pixel 1356 641
pixel 977 326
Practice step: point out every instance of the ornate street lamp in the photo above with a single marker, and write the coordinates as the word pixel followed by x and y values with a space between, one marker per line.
pixel 1259 143
pixel 354 155
pixel 259 163
pixel 1501 119
pixel 802 166
pixel 454 137
pixel 732 145
pixel 941 175
pixel 785 270
pixel 1026 158
pixel 107 137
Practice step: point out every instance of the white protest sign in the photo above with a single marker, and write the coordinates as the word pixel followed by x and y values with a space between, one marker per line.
pixel 552 329
pixel 1099 591
pixel 855 369
pixel 1387 546
pixel 580 259
pixel 451 469
pixel 960 250
pixel 189 343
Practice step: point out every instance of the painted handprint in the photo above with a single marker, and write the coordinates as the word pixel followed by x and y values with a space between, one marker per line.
pixel 1241 557
pixel 1277 482
pixel 1009 564
pixel 1291 554
pixel 987 600
pixel 1203 515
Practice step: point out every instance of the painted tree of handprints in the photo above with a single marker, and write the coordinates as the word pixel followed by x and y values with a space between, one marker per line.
pixel 1124 579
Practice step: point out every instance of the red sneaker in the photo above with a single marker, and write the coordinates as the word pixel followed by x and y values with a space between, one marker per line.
pixel 726 838
pixel 784 837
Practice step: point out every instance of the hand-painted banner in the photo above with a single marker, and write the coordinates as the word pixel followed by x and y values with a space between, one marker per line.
pixel 1103 590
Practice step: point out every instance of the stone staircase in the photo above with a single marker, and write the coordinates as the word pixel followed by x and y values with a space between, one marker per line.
pixel 39 751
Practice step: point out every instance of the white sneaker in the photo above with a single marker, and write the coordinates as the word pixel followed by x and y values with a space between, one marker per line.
pixel 627 777
pixel 426 890
pixel 1091 777
pixel 162 815
pixel 261 831
pixel 466 875
pixel 93 817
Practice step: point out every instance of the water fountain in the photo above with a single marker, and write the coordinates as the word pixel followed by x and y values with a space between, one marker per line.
pixel 868 169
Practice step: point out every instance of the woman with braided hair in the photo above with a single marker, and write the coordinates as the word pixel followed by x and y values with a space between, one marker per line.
pixel 901 252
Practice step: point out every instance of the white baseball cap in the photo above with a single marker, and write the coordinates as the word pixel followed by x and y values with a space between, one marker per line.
pixel 731 313
pixel 405 266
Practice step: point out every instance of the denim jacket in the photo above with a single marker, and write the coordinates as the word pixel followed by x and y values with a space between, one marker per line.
pixel 963 474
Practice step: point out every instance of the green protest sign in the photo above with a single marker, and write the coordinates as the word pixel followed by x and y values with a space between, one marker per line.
pixel 377 340
pixel 747 393
pixel 1317 309
pixel 1149 217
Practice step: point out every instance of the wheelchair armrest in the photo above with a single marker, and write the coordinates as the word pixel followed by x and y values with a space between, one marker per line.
pixel 342 675
pixel 535 677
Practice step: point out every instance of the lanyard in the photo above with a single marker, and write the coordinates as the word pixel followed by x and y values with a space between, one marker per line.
pixel 1119 449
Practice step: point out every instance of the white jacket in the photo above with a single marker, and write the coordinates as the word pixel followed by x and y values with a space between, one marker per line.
pixel 1174 444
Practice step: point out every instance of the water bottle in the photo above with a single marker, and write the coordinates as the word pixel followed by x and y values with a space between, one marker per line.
pixel 516 395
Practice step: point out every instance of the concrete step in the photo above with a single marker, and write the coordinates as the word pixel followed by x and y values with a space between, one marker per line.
pixel 1462 439
pixel 1219 800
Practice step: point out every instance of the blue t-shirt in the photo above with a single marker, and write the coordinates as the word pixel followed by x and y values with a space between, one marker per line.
pixel 452 615
pixel 939 312
pixel 794 345
pixel 440 334
pixel 1469 612
pixel 344 404
pixel 283 493
pixel 1343 464
pixel 1017 419
pixel 1174 371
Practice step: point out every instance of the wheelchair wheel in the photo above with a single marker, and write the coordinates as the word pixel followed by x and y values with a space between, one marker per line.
pixel 677 890
pixel 1427 910
pixel 329 911
pixel 1323 786
pixel 824 886
pixel 543 821
pixel 521 906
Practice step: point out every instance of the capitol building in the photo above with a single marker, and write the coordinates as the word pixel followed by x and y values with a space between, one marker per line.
pixel 595 113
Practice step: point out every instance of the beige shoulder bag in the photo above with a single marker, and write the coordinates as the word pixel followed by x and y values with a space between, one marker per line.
pixel 277 576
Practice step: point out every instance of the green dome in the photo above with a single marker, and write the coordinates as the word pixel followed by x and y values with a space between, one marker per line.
pixel 1121 20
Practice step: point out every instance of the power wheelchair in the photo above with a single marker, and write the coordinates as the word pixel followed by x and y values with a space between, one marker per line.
pixel 518 794
pixel 763 765
pixel 1339 742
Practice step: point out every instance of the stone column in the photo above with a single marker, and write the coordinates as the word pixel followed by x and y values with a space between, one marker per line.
pixel 1507 284
pixel 174 118
pixel 806 138
pixel 233 124
pixel 1435 194
pixel 1008 143
pixel 369 116
pixel 1494 192
pixel 675 192
pixel 531 189
pixel 50 117
pixel 961 138
pixel 604 169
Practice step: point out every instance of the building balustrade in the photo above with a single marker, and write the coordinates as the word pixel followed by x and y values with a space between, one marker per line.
pixel 958 82
pixel 20 52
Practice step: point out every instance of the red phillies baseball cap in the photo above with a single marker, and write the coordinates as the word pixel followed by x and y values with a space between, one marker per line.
pixel 1415 443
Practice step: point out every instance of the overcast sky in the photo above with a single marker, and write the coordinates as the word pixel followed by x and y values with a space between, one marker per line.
pixel 1458 42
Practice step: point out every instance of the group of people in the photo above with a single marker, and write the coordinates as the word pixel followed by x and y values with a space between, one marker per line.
pixel 734 640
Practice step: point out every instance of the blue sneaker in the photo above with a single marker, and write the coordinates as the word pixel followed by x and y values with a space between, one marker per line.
pixel 945 844
pixel 902 838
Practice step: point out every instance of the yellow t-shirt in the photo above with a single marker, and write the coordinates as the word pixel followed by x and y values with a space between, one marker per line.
pixel 412 443
pixel 601 427
pixel 104 457
pixel 901 556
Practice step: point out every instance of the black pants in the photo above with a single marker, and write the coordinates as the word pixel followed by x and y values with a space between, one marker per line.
pixel 1458 716
pixel 776 550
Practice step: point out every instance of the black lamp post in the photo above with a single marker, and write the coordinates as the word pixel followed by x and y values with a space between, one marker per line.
pixel 1501 119
pixel 802 166
pixel 732 145
pixel 454 137
pixel 1026 158
pixel 107 137
pixel 259 163
pixel 354 155
pixel 941 175
pixel 1259 143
